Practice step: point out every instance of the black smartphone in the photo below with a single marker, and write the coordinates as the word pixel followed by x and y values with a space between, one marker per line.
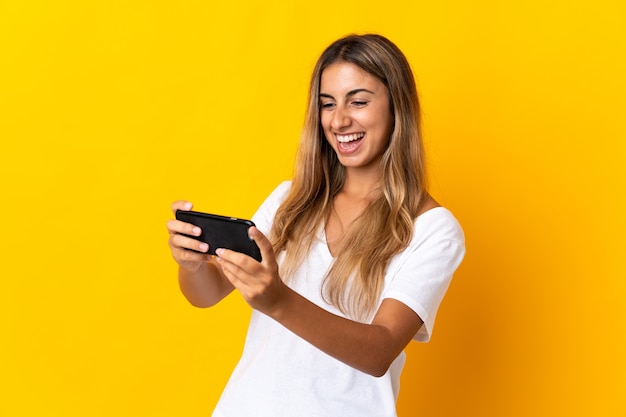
pixel 222 232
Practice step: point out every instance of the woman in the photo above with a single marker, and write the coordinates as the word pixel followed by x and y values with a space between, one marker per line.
pixel 356 254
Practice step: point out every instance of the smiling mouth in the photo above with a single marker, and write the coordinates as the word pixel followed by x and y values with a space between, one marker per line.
pixel 350 138
pixel 349 143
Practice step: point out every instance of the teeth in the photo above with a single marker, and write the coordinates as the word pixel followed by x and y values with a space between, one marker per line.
pixel 349 138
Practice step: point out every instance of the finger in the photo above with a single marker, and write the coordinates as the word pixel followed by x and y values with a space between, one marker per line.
pixel 239 264
pixel 264 244
pixel 184 256
pixel 238 260
pixel 181 205
pixel 184 242
pixel 235 274
pixel 177 226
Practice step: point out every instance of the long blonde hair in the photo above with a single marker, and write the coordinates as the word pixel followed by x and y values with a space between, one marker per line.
pixel 355 281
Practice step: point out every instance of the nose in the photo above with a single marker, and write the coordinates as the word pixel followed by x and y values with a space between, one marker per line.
pixel 341 118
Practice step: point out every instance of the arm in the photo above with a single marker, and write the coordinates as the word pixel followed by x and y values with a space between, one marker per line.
pixel 200 279
pixel 370 348
pixel 205 286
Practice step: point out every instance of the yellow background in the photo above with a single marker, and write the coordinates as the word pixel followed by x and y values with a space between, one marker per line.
pixel 110 110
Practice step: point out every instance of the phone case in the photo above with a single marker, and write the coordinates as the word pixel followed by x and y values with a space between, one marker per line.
pixel 222 232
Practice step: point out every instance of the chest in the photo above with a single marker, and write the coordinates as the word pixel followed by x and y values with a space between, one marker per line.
pixel 344 213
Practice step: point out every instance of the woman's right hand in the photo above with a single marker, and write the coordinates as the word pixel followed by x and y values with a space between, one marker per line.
pixel 180 245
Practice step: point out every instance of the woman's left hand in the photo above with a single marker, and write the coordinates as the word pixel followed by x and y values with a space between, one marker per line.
pixel 369 348
pixel 258 282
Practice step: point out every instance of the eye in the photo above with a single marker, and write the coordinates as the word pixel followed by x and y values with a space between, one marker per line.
pixel 359 103
pixel 327 105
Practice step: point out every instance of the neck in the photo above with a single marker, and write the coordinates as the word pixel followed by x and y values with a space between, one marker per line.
pixel 361 184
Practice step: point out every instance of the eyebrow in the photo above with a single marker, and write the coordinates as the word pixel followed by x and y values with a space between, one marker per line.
pixel 350 93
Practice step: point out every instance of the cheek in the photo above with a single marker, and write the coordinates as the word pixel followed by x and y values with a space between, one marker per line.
pixel 386 123
pixel 325 124
pixel 324 120
pixel 390 125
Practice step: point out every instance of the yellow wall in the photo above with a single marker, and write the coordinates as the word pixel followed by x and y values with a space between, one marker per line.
pixel 111 110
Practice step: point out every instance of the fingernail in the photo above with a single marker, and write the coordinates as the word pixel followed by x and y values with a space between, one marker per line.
pixel 187 206
pixel 196 231
pixel 203 247
pixel 219 252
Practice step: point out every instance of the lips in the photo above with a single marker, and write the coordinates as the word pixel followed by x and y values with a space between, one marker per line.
pixel 350 138
pixel 349 143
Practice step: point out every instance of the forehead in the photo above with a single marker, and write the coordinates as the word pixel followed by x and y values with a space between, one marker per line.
pixel 343 77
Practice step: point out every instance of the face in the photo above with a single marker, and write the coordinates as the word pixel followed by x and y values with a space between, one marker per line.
pixel 355 114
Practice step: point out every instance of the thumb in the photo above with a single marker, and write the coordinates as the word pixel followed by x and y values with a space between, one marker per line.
pixel 264 244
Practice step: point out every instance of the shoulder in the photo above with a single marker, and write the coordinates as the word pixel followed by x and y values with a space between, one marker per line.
pixel 283 187
pixel 437 238
pixel 278 195
pixel 438 222
pixel 264 216
pixel 436 234
pixel 434 218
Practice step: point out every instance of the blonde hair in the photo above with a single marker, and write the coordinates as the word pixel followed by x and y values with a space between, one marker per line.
pixel 355 281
